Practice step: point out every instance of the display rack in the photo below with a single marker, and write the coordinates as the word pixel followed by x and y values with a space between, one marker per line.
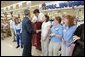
pixel 17 8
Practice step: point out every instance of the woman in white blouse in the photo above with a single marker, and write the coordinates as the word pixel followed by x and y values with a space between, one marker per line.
pixel 45 35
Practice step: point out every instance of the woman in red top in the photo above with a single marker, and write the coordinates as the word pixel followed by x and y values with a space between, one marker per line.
pixel 39 17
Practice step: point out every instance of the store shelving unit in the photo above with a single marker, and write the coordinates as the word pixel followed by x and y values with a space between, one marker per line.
pixel 17 8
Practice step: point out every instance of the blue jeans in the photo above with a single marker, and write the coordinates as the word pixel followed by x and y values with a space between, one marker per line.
pixel 19 37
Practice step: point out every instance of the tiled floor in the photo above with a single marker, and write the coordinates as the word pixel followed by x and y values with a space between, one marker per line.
pixel 8 48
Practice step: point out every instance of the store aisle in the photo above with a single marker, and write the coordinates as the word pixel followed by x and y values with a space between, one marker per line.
pixel 8 48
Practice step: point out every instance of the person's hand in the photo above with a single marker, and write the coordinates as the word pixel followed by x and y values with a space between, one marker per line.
pixel 75 38
pixel 52 34
pixel 37 31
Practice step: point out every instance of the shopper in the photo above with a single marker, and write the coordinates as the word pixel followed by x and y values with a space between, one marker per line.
pixel 37 22
pixel 56 36
pixel 79 43
pixel 27 31
pixel 2 31
pixel 18 31
pixel 45 35
pixel 4 27
pixel 12 24
pixel 38 16
pixel 68 30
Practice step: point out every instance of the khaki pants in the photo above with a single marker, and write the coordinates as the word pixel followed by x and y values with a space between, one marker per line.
pixel 44 46
pixel 12 34
pixel 54 49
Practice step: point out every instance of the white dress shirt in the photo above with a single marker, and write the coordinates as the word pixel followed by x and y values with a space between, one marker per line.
pixel 40 18
pixel 44 30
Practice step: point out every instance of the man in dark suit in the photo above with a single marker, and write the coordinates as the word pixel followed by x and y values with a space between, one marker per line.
pixel 27 32
pixel 79 47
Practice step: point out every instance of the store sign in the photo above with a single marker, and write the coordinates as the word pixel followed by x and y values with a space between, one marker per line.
pixel 61 4
pixel 52 5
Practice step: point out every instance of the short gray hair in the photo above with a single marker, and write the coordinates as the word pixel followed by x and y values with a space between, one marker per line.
pixel 26 12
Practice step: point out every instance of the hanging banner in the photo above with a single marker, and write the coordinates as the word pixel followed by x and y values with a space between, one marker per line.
pixel 60 4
